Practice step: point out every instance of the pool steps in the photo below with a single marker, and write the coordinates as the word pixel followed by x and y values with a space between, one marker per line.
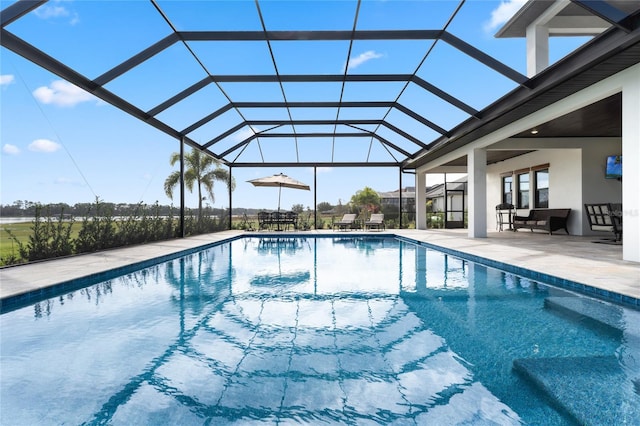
pixel 588 312
pixel 604 403
pixel 558 378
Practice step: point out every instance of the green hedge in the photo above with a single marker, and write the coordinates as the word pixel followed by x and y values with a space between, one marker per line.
pixel 54 236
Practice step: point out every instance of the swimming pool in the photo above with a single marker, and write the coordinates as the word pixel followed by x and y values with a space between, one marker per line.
pixel 320 330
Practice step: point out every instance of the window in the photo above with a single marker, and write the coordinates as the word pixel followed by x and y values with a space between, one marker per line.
pixel 507 189
pixel 523 191
pixel 542 188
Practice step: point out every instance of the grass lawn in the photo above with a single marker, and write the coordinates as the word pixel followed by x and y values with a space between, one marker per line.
pixel 20 230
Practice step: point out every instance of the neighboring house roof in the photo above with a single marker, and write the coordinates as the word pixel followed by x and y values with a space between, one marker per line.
pixel 407 192
pixel 437 191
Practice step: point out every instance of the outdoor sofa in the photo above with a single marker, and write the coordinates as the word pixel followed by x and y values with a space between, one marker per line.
pixel 548 220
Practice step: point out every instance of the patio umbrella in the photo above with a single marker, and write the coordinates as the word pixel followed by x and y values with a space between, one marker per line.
pixel 280 180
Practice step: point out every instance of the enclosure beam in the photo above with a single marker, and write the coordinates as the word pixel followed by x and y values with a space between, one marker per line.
pixel 182 188
pixel 421 200
pixel 400 198
pixel 315 197
pixel 230 197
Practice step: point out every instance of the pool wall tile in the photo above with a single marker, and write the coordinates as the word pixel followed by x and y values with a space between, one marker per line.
pixel 18 301
pixel 538 276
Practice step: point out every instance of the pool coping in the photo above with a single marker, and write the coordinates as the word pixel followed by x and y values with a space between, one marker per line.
pixel 30 296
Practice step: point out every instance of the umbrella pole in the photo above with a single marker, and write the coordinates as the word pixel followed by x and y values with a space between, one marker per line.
pixel 278 218
pixel 279 193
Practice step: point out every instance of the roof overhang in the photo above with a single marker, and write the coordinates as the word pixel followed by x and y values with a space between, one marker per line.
pixel 611 52
pixel 571 19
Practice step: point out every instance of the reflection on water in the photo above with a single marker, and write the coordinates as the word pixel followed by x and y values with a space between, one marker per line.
pixel 304 330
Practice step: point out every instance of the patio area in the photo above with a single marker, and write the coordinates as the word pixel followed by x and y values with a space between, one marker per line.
pixel 572 258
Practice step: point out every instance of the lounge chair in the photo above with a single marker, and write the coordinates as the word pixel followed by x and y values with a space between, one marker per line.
pixel 375 221
pixel 347 221
pixel 605 217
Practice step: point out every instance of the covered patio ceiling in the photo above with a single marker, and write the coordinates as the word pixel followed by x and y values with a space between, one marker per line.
pixel 237 81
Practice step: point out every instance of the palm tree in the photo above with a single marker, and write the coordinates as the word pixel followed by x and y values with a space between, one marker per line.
pixel 200 169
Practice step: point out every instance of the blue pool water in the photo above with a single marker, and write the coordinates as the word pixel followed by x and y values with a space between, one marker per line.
pixel 320 331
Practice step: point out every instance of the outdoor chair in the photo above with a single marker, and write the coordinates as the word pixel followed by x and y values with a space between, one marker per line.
pixel 605 217
pixel 347 221
pixel 277 219
pixel 375 221
pixel 290 218
pixel 246 224
pixel 504 216
pixel 264 220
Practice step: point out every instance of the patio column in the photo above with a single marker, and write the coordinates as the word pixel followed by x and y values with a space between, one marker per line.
pixel 630 168
pixel 537 49
pixel 421 200
pixel 477 177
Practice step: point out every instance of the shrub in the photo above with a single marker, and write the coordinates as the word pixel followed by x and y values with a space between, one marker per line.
pixel 100 230
pixel 49 238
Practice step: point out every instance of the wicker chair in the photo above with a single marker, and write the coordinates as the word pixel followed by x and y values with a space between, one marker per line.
pixel 605 217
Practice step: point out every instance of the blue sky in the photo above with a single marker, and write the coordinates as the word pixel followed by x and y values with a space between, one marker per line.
pixel 60 144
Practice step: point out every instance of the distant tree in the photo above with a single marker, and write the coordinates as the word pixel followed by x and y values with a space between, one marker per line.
pixel 341 208
pixel 201 170
pixel 297 208
pixel 324 206
pixel 367 199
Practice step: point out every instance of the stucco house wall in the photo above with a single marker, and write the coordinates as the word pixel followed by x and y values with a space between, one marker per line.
pixel 595 188
pixel 576 177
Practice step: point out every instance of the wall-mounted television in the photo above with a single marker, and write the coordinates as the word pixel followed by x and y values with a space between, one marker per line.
pixel 614 167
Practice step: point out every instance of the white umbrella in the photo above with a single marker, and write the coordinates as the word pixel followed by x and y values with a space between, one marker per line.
pixel 280 180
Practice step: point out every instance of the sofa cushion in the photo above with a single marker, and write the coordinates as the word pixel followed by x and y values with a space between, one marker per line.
pixel 608 228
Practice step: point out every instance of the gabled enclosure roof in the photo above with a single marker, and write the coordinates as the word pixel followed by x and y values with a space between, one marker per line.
pixel 331 87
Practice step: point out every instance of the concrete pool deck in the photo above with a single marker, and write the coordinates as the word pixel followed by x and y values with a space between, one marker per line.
pixel 572 258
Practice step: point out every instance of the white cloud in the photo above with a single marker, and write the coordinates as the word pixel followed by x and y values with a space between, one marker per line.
pixel 62 93
pixel 362 58
pixel 10 149
pixel 503 13
pixel 51 11
pixel 44 145
pixel 66 181
pixel 57 11
pixel 6 79
pixel 244 133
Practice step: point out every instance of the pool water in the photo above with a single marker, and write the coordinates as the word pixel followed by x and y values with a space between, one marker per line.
pixel 320 331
